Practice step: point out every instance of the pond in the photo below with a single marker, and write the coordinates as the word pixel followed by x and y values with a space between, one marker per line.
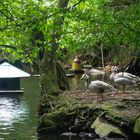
pixel 18 113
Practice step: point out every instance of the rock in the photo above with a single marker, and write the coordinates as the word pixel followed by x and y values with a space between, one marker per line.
pixel 104 128
pixel 88 135
pixel 137 126
pixel 67 134
pixel 106 138
pixel 53 121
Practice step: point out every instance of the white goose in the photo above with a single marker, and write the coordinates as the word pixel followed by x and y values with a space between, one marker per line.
pixel 123 78
pixel 97 86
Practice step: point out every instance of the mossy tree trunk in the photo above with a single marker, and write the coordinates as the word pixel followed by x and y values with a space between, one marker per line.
pixel 48 79
pixel 50 70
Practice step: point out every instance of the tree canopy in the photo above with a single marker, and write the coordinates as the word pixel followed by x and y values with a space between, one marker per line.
pixel 27 25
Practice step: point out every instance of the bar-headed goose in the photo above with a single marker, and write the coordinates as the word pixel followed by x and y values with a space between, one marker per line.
pixel 123 78
pixel 96 74
pixel 97 86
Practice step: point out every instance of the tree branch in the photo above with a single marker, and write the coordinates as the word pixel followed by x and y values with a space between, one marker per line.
pixel 8 46
pixel 129 28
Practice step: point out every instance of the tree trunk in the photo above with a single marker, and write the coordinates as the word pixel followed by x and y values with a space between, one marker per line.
pixel 52 76
pixel 49 68
pixel 48 79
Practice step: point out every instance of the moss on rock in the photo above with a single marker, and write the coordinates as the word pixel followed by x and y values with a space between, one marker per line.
pixel 76 112
pixel 137 126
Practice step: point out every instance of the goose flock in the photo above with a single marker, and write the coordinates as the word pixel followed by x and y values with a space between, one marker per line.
pixel 99 86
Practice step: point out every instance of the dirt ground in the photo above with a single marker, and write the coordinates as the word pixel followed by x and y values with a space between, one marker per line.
pixel 124 105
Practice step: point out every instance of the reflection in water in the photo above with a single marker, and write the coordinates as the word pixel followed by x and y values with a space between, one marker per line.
pixel 18 113
pixel 11 111
pixel 75 82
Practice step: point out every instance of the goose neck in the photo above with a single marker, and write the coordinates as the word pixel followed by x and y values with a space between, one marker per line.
pixel 112 75
pixel 87 82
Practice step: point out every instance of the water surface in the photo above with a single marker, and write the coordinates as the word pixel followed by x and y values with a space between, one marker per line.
pixel 18 113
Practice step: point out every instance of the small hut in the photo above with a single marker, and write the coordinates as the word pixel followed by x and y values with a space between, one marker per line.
pixel 10 78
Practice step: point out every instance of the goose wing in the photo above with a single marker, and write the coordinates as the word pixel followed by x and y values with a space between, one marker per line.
pixel 124 81
pixel 101 84
pixel 96 71
pixel 127 75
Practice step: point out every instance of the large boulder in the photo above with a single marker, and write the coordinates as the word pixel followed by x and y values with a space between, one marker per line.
pixel 54 121
pixel 106 129
pixel 137 126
